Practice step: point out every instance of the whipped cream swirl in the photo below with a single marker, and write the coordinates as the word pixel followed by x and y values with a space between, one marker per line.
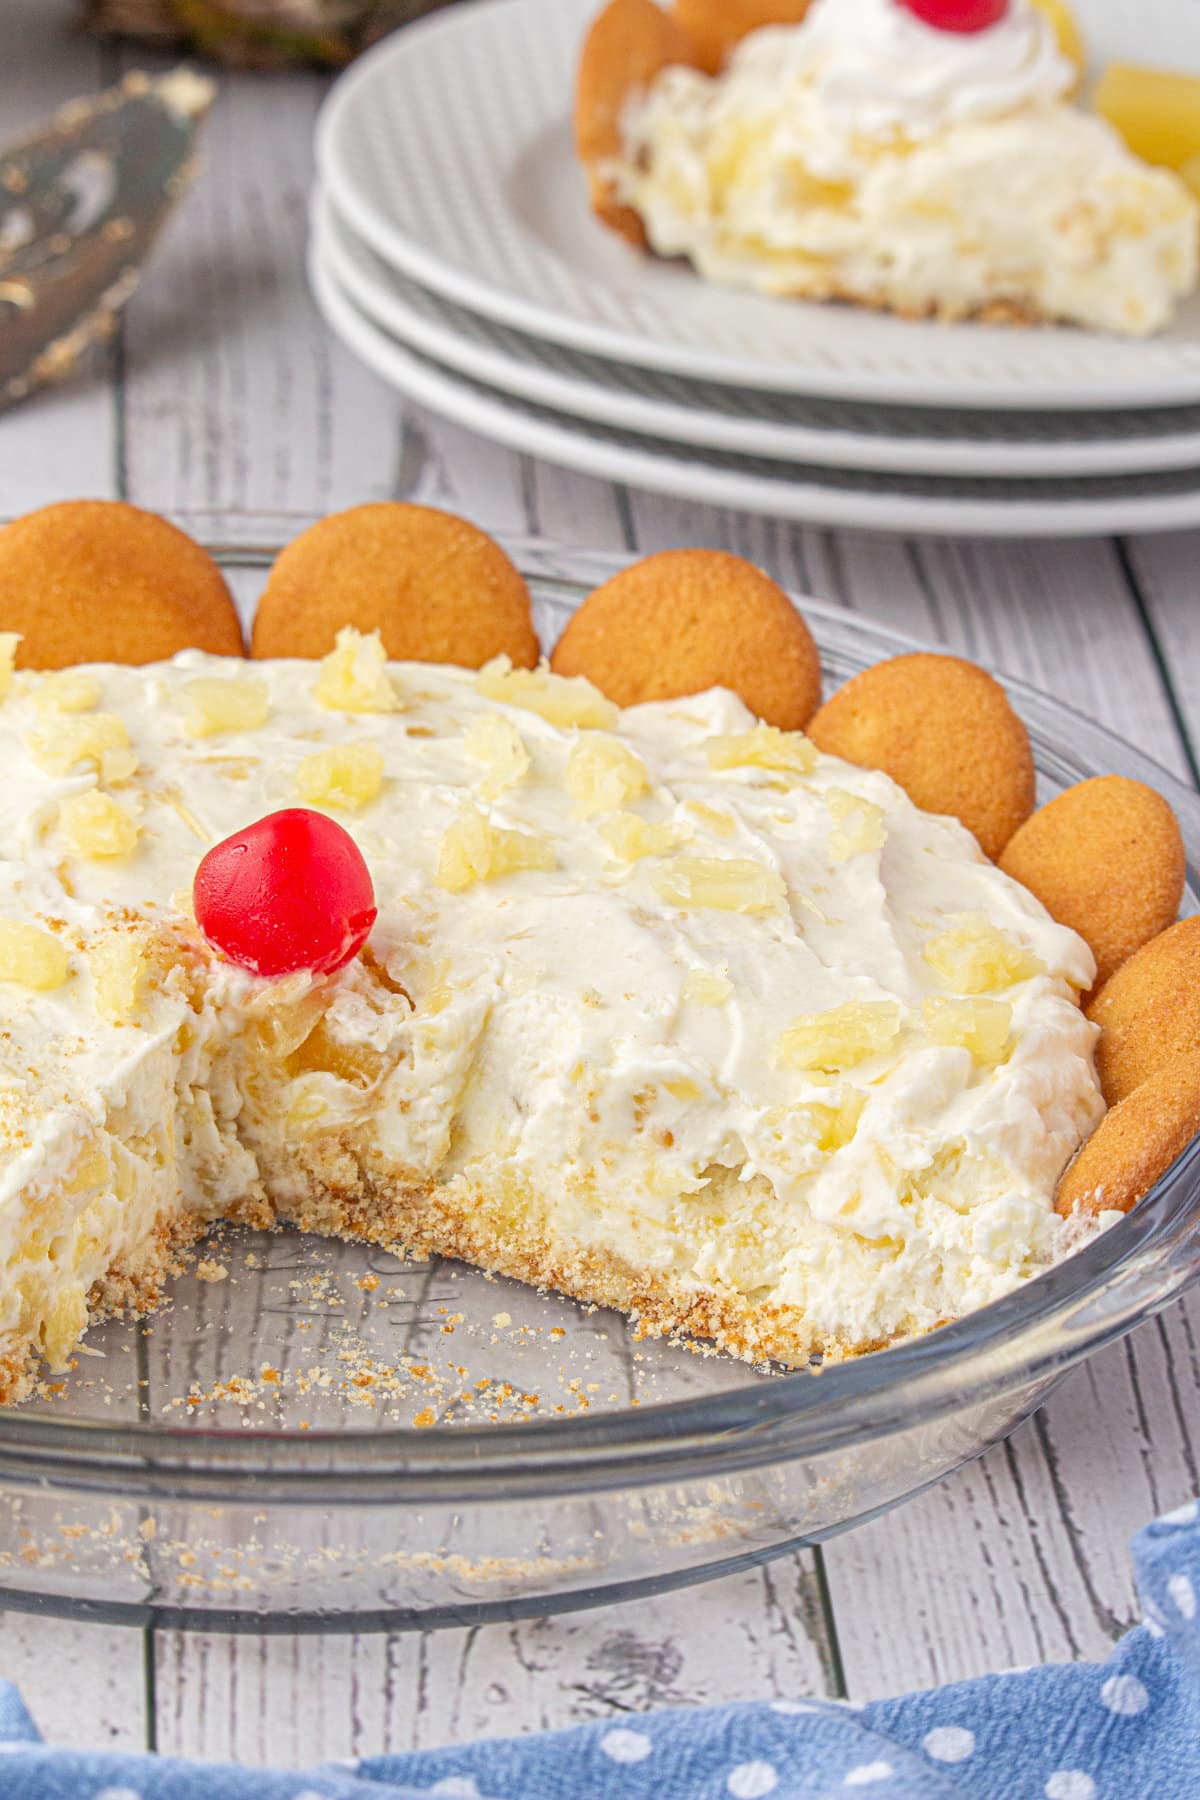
pixel 879 69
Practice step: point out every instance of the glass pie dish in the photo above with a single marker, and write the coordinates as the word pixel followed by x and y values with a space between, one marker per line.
pixel 316 1435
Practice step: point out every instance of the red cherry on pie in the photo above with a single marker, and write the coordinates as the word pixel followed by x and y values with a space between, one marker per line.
pixel 289 892
pixel 958 15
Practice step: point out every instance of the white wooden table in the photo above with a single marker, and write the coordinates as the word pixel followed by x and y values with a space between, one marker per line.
pixel 226 405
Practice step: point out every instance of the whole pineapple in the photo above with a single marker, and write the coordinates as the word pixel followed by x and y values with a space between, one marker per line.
pixel 257 34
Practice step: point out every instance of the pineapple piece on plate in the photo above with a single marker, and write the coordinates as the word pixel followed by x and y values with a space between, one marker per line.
pixel 1156 111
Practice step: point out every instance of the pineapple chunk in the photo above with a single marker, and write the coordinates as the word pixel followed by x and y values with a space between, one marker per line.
pixel 64 1325
pixel 705 987
pixel 976 958
pixel 562 699
pixel 602 774
pixel 31 957
pixel 840 1038
pixel 67 691
pixel 8 659
pixel 212 705
pixel 728 883
pixel 720 823
pixel 1070 38
pixel 96 825
pixel 858 825
pixel 306 1110
pixel 354 675
pixel 495 742
pixel 59 747
pixel 281 1027
pixel 1156 111
pixel 833 1127
pixel 682 1087
pixel 763 747
pixel 119 972
pixel 473 849
pixel 345 775
pixel 116 766
pixel 980 1026
pixel 89 1173
pixel 629 836
pixel 360 1065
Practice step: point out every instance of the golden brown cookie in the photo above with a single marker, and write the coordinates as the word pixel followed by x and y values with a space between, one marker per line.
pixel 436 588
pixel 103 581
pixel 1149 1011
pixel 682 621
pixel 715 26
pixel 945 731
pixel 1135 1143
pixel 626 46
pixel 1106 858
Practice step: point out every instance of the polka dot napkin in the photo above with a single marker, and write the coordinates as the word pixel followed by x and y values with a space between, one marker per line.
pixel 1122 1730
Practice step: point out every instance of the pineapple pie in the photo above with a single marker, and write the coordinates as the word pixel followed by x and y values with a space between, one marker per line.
pixel 928 157
pixel 665 1007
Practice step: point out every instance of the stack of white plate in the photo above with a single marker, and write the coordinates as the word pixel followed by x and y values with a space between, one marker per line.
pixel 452 249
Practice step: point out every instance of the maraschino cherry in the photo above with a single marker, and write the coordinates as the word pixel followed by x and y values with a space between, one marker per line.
pixel 958 15
pixel 289 892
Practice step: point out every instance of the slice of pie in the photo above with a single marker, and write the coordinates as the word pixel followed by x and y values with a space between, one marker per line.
pixel 663 1009
pixel 922 156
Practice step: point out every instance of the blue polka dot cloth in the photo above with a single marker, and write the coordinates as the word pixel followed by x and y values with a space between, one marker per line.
pixel 1121 1730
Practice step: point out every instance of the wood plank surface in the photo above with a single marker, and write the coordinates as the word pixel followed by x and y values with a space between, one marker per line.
pixel 238 415
pixel 242 417
pixel 61 444
pixel 1165 572
pixel 740 1638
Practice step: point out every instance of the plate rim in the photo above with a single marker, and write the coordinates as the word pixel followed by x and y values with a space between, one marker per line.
pixel 395 246
pixel 702 428
pixel 499 418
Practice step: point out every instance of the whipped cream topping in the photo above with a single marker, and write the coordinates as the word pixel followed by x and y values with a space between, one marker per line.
pixel 664 987
pixel 878 69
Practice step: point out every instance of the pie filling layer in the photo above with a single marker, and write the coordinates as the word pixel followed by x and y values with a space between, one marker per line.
pixel 662 1008
pixel 864 155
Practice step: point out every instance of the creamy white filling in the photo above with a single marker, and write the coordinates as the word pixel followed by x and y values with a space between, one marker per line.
pixel 864 155
pixel 570 1032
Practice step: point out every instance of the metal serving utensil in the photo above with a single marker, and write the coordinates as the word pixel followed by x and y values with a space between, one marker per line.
pixel 81 201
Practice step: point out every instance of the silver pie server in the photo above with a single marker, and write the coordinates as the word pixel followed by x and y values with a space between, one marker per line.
pixel 81 201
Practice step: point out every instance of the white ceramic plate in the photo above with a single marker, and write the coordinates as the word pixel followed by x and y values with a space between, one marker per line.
pixel 749 421
pixel 448 149
pixel 919 504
